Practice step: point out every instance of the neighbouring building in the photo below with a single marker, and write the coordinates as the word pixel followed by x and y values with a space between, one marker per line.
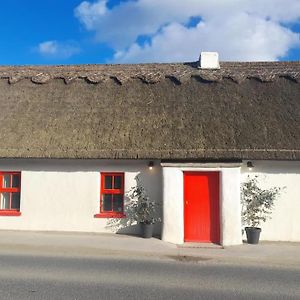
pixel 73 139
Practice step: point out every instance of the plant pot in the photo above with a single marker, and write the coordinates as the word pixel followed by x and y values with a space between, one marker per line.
pixel 253 234
pixel 147 230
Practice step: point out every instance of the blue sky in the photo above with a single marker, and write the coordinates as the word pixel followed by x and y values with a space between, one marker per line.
pixel 116 31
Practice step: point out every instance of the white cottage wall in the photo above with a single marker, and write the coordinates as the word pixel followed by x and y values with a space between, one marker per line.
pixel 64 195
pixel 230 207
pixel 284 224
pixel 173 227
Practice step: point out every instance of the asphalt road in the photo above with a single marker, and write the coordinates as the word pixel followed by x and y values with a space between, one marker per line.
pixel 29 277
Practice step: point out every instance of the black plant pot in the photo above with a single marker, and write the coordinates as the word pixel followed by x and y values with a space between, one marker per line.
pixel 253 234
pixel 147 230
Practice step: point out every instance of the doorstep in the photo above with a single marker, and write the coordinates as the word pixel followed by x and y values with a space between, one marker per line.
pixel 200 245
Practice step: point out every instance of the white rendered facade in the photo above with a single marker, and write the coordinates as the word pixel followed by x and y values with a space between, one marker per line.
pixel 64 195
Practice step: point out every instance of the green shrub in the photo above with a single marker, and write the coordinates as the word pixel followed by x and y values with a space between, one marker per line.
pixel 257 203
pixel 140 207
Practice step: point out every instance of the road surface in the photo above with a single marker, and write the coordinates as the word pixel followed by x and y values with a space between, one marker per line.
pixel 45 277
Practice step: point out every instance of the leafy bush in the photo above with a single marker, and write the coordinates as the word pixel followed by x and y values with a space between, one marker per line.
pixel 141 207
pixel 257 203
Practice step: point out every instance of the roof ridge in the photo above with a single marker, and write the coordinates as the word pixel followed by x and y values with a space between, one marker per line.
pixel 153 73
pixel 191 63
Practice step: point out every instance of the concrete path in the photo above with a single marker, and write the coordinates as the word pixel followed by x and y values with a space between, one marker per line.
pixel 95 245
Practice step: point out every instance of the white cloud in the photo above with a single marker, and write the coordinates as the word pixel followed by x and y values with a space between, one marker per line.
pixel 237 29
pixel 89 12
pixel 58 49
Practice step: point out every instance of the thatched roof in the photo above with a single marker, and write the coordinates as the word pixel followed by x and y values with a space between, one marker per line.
pixel 151 111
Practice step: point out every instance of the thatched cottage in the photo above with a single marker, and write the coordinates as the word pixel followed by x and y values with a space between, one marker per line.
pixel 73 138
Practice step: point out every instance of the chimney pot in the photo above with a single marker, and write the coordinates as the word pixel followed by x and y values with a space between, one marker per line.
pixel 209 60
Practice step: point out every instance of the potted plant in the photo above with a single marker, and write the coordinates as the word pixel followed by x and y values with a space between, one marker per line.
pixel 142 209
pixel 257 205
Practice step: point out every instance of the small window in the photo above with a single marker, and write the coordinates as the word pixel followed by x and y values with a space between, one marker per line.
pixel 111 196
pixel 10 188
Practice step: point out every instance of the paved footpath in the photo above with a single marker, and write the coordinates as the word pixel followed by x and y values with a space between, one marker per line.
pixel 96 245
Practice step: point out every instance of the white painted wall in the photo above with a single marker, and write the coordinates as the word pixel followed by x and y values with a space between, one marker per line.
pixel 230 207
pixel 173 214
pixel 285 222
pixel 173 221
pixel 64 195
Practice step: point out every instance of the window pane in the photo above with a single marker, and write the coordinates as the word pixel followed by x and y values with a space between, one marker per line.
pixel 108 182
pixel 118 182
pixel 15 201
pixel 7 181
pixel 15 181
pixel 118 203
pixel 4 200
pixel 107 202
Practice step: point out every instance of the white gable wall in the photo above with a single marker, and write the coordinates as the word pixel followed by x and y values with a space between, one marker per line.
pixel 64 195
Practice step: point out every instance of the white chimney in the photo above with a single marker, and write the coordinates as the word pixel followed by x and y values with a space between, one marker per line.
pixel 209 60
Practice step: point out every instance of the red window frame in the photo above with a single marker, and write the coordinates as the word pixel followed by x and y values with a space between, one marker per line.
pixel 10 190
pixel 112 191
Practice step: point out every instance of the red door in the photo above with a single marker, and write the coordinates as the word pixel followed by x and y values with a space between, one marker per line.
pixel 201 207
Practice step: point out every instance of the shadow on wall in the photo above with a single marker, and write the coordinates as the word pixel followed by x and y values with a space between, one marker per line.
pixel 72 165
pixel 129 225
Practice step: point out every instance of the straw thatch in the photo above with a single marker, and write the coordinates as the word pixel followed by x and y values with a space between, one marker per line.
pixel 155 111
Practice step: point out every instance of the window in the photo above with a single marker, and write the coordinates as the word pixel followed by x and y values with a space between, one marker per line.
pixel 10 188
pixel 111 195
